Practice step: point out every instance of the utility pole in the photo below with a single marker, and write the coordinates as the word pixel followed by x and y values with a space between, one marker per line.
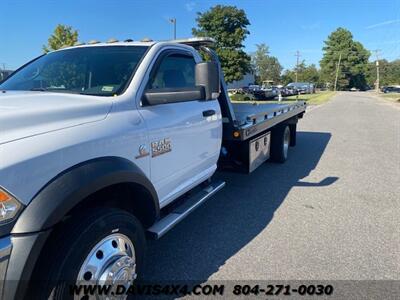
pixel 337 70
pixel 297 70
pixel 173 21
pixel 377 69
pixel 297 63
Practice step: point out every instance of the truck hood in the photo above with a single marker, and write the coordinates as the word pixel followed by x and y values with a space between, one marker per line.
pixel 24 114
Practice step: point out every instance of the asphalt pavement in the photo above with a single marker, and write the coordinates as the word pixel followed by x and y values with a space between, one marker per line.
pixel 331 212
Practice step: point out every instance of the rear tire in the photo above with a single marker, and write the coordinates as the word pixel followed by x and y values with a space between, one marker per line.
pixel 109 234
pixel 293 134
pixel 280 141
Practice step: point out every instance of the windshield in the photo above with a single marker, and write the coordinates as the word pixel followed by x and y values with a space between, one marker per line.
pixel 100 71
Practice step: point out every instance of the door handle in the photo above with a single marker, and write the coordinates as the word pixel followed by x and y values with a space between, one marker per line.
pixel 208 113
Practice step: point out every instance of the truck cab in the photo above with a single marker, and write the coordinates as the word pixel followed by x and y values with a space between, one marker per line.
pixel 107 144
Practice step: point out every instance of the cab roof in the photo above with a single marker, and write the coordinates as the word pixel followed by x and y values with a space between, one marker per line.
pixel 195 42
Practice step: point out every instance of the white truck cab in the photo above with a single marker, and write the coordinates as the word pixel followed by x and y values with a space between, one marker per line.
pixel 97 145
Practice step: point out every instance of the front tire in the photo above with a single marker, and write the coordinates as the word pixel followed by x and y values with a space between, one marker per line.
pixel 105 247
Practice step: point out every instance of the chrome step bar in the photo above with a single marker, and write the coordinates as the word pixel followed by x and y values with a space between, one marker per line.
pixel 179 213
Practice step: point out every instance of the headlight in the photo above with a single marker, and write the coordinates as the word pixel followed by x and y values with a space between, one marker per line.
pixel 9 207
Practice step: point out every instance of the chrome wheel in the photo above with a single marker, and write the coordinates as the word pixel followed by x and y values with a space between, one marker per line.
pixel 111 261
pixel 286 141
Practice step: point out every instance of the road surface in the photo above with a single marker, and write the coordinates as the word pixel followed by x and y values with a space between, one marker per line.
pixel 332 211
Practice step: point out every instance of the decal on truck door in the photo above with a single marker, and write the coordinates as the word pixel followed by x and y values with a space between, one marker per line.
pixel 160 147
pixel 142 151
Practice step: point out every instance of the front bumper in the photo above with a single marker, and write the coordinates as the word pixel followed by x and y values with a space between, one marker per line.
pixel 18 255
pixel 5 251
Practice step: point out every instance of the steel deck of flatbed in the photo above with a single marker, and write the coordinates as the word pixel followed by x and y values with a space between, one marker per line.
pixel 247 119
pixel 255 118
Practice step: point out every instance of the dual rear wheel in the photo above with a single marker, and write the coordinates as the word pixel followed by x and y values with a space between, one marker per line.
pixel 282 137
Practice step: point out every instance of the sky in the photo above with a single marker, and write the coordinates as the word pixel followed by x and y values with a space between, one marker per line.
pixel 284 25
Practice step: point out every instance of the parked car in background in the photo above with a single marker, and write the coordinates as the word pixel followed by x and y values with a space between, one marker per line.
pixel 269 93
pixel 245 89
pixel 240 95
pixel 260 93
pixel 269 90
pixel 254 88
pixel 368 88
pixel 284 91
pixel 302 87
pixel 296 87
pixel 275 89
pixel 291 90
pixel 391 89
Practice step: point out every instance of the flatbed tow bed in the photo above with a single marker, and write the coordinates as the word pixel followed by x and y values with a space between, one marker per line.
pixel 255 118
pixel 247 127
pixel 248 132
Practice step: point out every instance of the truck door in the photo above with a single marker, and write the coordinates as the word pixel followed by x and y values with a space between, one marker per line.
pixel 184 137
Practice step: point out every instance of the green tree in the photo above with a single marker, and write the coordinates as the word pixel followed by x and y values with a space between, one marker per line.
pixel 310 74
pixel 305 73
pixel 353 64
pixel 266 67
pixel 389 73
pixel 228 26
pixel 288 76
pixel 300 70
pixel 62 36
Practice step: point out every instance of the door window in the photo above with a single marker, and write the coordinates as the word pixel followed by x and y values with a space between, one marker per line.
pixel 174 71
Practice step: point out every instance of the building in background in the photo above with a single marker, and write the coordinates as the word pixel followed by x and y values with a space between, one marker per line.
pixel 247 80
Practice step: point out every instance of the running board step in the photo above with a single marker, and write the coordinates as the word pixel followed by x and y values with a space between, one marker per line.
pixel 179 213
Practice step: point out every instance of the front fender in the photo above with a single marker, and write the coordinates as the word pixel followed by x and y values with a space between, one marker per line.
pixel 70 187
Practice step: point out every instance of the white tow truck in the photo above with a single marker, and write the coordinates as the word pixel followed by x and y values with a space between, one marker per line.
pixel 105 145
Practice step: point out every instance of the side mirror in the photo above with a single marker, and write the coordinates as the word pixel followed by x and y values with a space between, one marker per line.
pixel 207 75
pixel 172 95
pixel 207 88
